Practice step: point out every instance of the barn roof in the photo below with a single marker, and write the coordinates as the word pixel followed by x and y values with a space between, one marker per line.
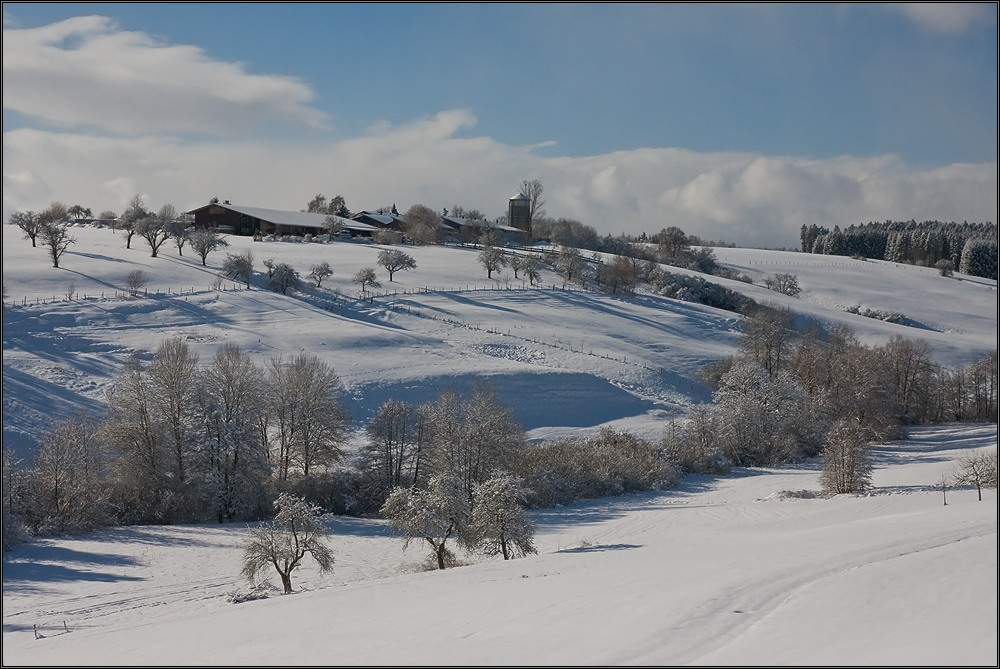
pixel 300 219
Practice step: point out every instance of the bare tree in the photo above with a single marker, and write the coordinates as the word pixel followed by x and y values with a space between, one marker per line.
pixel 205 241
pixel 56 237
pixel 154 231
pixel 320 271
pixel 30 224
pixel 310 420
pixel 239 266
pixel 135 281
pixel 532 189
pixel 134 212
pixel 978 468
pixel 499 524
pixel 435 515
pixel 297 529
pixel 394 260
pixel 847 466
pixel 56 211
pixel 366 277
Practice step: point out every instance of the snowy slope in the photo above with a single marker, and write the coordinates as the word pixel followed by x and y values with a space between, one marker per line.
pixel 719 571
pixel 566 360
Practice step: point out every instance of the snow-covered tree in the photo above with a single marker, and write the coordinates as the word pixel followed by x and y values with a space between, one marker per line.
pixel 394 260
pixel 308 417
pixel 205 241
pixel 298 528
pixel 231 402
pixel 500 525
pixel 847 466
pixel 320 271
pixel 435 514
pixel 492 259
pixel 787 284
pixel 281 277
pixel 239 266
pixel 760 416
pixel 366 278
pixel 67 481
pixel 393 452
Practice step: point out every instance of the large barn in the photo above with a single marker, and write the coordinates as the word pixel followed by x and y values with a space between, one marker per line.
pixel 240 220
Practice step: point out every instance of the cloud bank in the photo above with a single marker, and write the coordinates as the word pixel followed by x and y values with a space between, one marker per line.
pixel 85 71
pixel 132 115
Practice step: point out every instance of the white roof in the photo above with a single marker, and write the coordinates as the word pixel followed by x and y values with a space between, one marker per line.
pixel 300 219
pixel 478 223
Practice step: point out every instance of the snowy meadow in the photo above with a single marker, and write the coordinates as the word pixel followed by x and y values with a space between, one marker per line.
pixel 755 567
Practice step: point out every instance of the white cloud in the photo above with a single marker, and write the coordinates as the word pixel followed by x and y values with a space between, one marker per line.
pixel 85 71
pixel 950 18
pixel 741 197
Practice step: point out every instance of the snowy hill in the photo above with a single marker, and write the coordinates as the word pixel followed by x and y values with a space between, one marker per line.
pixel 565 359
pixel 745 569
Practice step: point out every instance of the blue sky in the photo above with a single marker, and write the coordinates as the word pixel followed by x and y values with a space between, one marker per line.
pixel 732 120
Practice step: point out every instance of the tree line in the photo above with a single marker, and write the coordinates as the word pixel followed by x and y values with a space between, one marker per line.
pixel 186 442
pixel 970 248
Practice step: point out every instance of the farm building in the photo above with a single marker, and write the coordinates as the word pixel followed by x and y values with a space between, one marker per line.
pixel 240 220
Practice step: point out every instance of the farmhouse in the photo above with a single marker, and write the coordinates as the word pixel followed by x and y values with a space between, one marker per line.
pixel 240 220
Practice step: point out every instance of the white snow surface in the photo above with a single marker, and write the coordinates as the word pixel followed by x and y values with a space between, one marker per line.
pixel 740 570
pixel 737 570
pixel 566 360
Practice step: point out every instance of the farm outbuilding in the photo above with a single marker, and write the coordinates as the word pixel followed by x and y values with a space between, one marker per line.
pixel 247 221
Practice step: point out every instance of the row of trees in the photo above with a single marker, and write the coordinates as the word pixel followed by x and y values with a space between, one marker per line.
pixel 50 228
pixel 969 247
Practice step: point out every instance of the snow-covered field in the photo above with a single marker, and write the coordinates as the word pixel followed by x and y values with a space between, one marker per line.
pixel 566 360
pixel 720 571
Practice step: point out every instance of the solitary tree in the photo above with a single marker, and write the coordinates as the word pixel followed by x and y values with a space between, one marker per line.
pixel 569 263
pixel 499 523
pixel 784 283
pixel 297 529
pixel 978 468
pixel 422 224
pixel 394 260
pixel 435 515
pixel 366 277
pixel 135 281
pixel 282 277
pixel 205 241
pixel 56 236
pixel 154 231
pixel 492 259
pixel 847 467
pixel 30 223
pixel 134 212
pixel 239 266
pixel 319 271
